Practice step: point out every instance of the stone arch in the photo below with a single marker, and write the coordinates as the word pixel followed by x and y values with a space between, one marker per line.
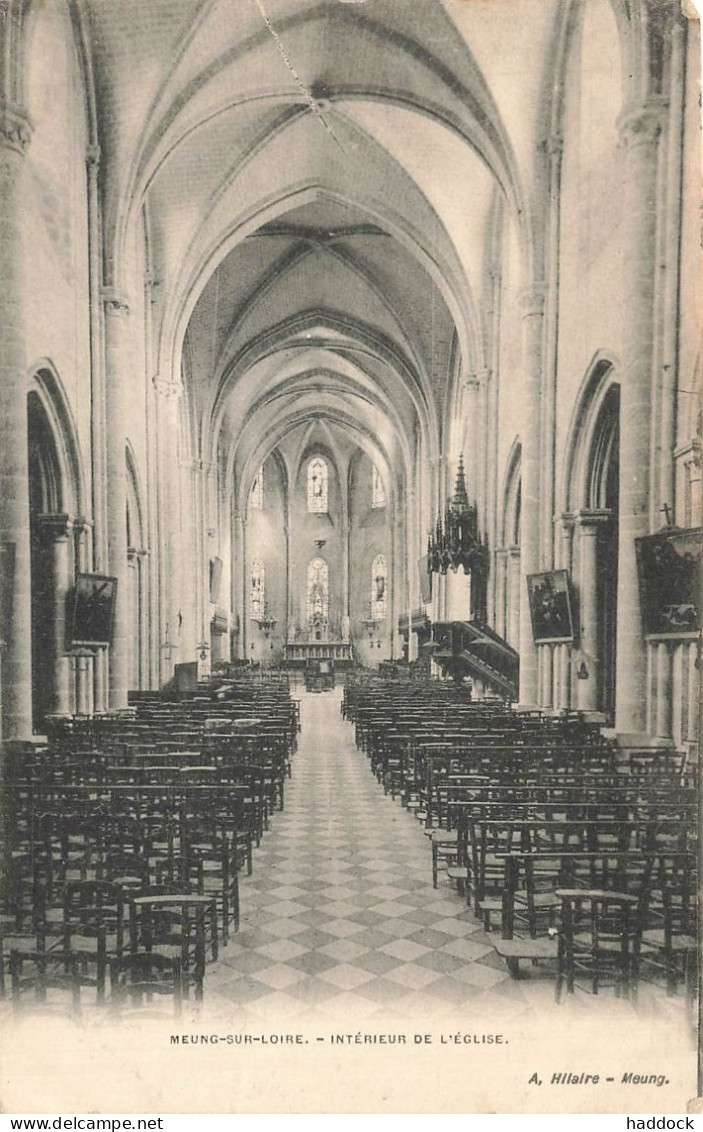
pixel 56 497
pixel 512 497
pixel 507 557
pixel 591 494
pixel 137 576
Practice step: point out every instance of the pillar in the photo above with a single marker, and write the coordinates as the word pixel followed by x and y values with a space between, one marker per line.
pixel 545 655
pixel 664 706
pixel 83 664
pixel 117 374
pixel 56 530
pixel 237 590
pixel 169 474
pixel 562 653
pixel 515 601
pixel 588 523
pixel 95 668
pixel 639 127
pixel 500 570
pixel 15 133
pixel 532 301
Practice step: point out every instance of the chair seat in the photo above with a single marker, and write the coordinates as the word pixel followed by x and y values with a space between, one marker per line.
pixel 526 948
pixel 539 899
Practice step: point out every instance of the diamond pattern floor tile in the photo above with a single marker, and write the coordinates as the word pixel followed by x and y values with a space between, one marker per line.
pixel 339 917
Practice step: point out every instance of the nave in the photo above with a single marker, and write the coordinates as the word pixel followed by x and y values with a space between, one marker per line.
pixel 340 917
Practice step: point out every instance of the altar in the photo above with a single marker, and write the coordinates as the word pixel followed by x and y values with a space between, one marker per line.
pixel 299 652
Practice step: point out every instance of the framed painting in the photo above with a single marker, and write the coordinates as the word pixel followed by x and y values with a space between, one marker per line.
pixel 669 571
pixel 93 610
pixel 550 607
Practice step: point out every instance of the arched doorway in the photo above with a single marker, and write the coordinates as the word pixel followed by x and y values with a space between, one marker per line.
pixel 507 558
pixel 137 581
pixel 593 508
pixel 604 492
pixel 51 565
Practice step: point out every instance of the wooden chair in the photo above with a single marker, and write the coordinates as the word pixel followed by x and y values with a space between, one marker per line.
pixel 669 938
pixel 598 941
pixel 94 915
pixel 34 973
pixel 135 980
pixel 175 924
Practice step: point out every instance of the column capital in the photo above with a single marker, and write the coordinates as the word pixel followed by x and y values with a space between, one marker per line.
pixel 588 521
pixel 114 303
pixel 82 526
pixel 640 123
pixel 566 520
pixel 58 526
pixel 92 156
pixel 471 383
pixel 532 298
pixel 171 390
pixel 134 554
pixel 15 128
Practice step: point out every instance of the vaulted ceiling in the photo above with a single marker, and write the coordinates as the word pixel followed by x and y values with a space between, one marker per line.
pixel 316 182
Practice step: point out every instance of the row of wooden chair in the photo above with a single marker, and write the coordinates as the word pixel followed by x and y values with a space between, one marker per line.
pixel 121 860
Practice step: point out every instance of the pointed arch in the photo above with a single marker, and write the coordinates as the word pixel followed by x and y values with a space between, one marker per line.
pixel 512 496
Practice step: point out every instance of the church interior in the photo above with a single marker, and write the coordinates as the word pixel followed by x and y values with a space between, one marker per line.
pixel 350 503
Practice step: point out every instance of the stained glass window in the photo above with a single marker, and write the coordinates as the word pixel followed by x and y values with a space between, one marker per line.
pixel 378 491
pixel 256 498
pixel 258 589
pixel 318 590
pixel 379 587
pixel 317 485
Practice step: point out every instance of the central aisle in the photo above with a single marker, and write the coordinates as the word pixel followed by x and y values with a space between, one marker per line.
pixel 340 915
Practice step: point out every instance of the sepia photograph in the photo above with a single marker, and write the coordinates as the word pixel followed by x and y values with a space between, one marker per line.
pixel 350 544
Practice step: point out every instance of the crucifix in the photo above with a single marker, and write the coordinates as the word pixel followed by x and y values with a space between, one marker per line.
pixel 667 517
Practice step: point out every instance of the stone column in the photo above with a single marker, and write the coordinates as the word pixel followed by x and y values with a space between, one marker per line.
pixel 56 530
pixel 244 578
pixel 237 584
pixel 169 485
pixel 117 372
pixel 639 127
pixel 546 675
pixel 587 525
pixel 694 703
pixel 515 600
pixel 562 658
pixel 138 630
pixel 500 570
pixel 532 299
pixel 555 148
pixel 83 664
pixel 664 690
pixel 15 134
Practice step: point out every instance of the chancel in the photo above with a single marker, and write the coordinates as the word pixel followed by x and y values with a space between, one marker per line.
pixel 350 358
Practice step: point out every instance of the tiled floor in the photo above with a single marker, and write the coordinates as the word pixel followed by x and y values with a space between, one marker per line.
pixel 340 915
